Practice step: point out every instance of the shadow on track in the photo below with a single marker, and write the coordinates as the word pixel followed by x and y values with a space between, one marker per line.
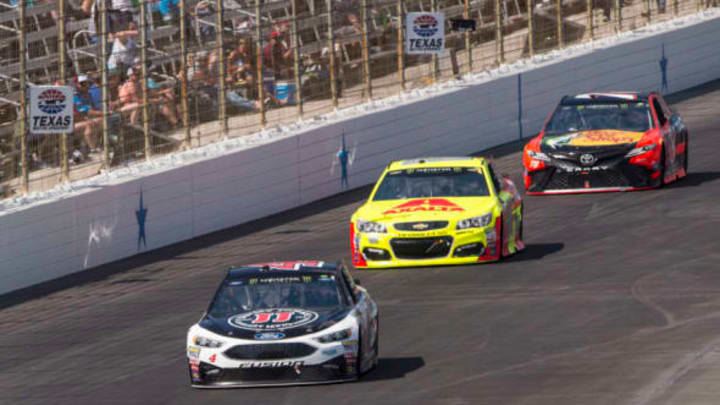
pixel 393 368
pixel 535 251
pixel 694 179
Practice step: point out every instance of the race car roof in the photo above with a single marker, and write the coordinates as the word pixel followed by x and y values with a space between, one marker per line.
pixel 299 265
pixel 445 161
pixel 604 97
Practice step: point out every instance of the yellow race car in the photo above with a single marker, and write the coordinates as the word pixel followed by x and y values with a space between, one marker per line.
pixel 437 211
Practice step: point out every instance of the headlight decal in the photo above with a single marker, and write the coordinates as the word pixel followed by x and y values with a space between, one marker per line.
pixel 474 222
pixel 335 336
pixel 370 227
pixel 640 150
pixel 203 341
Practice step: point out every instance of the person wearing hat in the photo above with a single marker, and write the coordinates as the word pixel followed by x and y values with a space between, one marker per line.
pixel 88 112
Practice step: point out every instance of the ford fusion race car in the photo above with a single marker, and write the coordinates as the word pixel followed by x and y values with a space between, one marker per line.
pixel 437 211
pixel 607 142
pixel 284 324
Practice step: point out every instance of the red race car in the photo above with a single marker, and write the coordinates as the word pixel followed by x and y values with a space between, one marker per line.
pixel 613 141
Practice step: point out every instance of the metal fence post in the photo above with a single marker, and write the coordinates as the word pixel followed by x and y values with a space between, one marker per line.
pixel 435 61
pixel 221 67
pixel 401 43
pixel 184 76
pixel 296 57
pixel 366 53
pixel 331 55
pixel 468 45
pixel 531 28
pixel 560 28
pixel 24 187
pixel 618 16
pixel 259 63
pixel 649 10
pixel 64 167
pixel 676 7
pixel 144 88
pixel 499 41
pixel 591 31
pixel 105 94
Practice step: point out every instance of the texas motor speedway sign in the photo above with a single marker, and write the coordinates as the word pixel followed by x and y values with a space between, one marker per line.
pixel 425 33
pixel 51 109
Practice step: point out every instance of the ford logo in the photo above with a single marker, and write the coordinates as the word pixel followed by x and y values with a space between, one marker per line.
pixel 269 336
pixel 587 159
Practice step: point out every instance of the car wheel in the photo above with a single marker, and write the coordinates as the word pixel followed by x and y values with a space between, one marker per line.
pixel 662 167
pixel 359 360
pixel 501 239
pixel 685 155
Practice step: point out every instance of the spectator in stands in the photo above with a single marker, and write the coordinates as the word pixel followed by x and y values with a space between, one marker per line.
pixel 240 61
pixel 168 9
pixel 201 84
pixel 123 53
pixel 277 56
pixel 88 113
pixel 130 95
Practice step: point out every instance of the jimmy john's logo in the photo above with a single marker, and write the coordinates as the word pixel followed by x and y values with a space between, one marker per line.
pixel 427 204
pixel 269 320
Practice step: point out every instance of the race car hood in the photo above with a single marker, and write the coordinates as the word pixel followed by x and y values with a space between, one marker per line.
pixel 425 209
pixel 590 139
pixel 299 322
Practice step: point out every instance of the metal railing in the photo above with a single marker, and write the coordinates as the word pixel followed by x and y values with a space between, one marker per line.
pixel 159 76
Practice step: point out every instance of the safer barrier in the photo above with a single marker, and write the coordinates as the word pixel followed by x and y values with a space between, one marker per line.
pixel 272 62
pixel 120 218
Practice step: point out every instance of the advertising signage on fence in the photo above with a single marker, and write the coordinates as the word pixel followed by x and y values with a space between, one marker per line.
pixel 457 24
pixel 51 109
pixel 425 33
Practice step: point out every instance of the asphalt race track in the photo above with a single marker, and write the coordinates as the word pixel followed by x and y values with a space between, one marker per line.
pixel 616 300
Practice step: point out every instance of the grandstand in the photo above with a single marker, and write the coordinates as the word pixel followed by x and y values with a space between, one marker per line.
pixel 129 140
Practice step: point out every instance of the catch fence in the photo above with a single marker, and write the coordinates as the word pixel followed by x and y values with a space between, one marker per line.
pixel 155 76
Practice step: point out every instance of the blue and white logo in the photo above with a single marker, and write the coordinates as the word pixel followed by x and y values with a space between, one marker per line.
pixel 425 25
pixel 269 336
pixel 51 101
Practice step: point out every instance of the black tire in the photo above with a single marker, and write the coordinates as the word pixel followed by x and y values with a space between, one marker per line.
pixel 501 239
pixel 662 167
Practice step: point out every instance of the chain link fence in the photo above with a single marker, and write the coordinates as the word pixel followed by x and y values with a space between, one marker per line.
pixel 156 76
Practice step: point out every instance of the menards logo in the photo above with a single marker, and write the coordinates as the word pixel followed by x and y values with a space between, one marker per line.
pixel 428 204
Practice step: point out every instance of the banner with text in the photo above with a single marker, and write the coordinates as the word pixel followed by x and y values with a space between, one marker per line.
pixel 425 33
pixel 51 109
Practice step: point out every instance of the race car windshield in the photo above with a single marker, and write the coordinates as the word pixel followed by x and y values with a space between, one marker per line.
pixel 633 117
pixel 432 182
pixel 265 291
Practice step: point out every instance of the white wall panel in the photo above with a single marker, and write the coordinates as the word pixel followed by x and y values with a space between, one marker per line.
pixel 47 241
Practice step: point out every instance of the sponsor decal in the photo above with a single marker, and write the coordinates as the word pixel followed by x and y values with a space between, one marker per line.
pixel 330 352
pixel 426 33
pixel 213 358
pixel 571 169
pixel 595 138
pixel 194 362
pixel 350 342
pixel 427 204
pixel 269 336
pixel 265 320
pixel 51 109
pixel 289 265
pixel 272 364
pixel 193 352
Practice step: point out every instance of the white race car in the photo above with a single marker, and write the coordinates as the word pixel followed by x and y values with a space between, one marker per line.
pixel 284 324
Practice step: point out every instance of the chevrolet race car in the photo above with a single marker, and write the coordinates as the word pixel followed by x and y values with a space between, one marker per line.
pixel 285 323
pixel 437 211
pixel 607 142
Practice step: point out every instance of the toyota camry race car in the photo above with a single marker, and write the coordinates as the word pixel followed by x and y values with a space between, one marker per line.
pixel 437 211
pixel 607 142
pixel 284 324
